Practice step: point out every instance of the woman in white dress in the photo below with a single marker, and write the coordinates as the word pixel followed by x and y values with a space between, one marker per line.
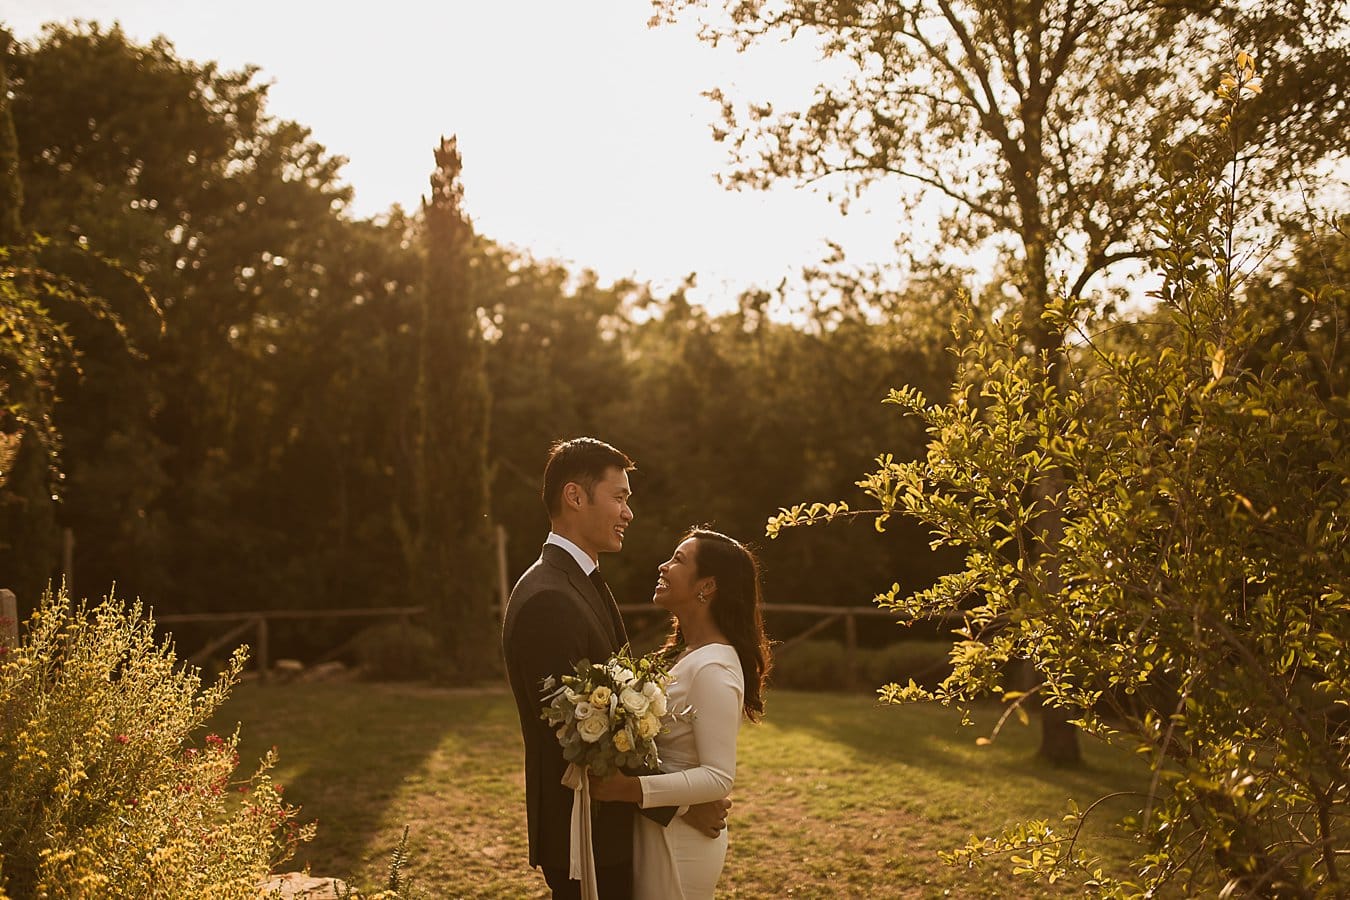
pixel 720 661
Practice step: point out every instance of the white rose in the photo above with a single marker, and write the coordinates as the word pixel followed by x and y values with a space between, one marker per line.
pixel 634 702
pixel 593 728
pixel 571 695
pixel 583 710
pixel 659 704
pixel 651 689
pixel 622 676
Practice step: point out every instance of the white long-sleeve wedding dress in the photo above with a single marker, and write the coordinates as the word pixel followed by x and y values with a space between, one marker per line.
pixel 698 764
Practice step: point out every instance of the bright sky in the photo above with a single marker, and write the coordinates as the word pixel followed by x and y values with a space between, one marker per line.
pixel 584 133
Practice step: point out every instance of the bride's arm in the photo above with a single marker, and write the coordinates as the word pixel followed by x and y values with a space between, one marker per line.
pixel 715 694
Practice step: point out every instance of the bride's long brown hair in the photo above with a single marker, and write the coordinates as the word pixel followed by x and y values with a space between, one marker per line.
pixel 735 609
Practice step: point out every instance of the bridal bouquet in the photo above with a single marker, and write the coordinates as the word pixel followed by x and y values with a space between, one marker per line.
pixel 607 715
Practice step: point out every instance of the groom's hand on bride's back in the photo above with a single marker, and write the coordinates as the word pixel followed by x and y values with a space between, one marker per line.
pixel 709 818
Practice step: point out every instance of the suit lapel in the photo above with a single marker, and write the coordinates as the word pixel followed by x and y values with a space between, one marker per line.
pixel 621 633
pixel 585 588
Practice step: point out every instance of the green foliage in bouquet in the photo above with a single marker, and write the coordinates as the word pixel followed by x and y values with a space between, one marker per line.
pixel 104 790
pixel 1193 606
pixel 607 715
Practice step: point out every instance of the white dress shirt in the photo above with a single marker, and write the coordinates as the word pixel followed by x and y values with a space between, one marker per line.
pixel 583 559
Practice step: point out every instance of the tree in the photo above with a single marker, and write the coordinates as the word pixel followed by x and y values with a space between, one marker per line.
pixel 813 387
pixel 556 367
pixel 137 161
pixel 1031 123
pixel 27 369
pixel 1305 299
pixel 344 364
pixel 1198 610
pixel 34 347
pixel 443 521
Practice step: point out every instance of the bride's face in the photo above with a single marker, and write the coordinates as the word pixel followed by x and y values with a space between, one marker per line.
pixel 678 584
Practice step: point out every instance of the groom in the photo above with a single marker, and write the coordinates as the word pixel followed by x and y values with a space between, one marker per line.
pixel 561 611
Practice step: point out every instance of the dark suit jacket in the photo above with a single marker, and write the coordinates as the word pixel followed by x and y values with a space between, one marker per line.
pixel 554 618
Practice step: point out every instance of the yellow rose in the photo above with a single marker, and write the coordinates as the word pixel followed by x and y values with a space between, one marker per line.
pixel 648 727
pixel 600 696
pixel 623 742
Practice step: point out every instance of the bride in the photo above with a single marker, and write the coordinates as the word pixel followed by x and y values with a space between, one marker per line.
pixel 720 661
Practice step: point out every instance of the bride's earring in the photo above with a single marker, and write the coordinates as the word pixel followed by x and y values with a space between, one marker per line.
pixel 701 598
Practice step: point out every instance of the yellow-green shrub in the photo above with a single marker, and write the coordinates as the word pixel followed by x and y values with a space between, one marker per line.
pixel 106 787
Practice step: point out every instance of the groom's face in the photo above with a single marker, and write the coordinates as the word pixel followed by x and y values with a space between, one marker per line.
pixel 605 513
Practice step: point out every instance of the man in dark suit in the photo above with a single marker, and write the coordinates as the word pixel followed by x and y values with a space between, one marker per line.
pixel 560 612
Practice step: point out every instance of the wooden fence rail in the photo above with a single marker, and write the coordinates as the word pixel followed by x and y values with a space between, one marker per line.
pixel 829 615
pixel 257 621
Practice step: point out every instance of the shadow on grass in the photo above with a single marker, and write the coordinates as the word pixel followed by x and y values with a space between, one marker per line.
pixel 823 773
pixel 932 737
pixel 364 759
pixel 925 734
pixel 914 777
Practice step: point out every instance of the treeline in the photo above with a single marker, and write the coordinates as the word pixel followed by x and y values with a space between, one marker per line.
pixel 244 432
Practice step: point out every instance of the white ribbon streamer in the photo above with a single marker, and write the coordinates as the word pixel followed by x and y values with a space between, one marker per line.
pixel 582 863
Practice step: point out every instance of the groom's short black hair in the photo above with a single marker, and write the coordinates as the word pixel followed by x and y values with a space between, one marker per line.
pixel 583 460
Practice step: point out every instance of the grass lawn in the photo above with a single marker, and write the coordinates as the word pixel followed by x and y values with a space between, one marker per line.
pixel 835 795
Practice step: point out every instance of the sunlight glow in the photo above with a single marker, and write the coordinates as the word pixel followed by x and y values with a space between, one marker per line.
pixel 585 134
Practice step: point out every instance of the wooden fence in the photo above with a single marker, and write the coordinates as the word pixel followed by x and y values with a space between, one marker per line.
pixel 257 622
pixel 9 619
pixel 829 615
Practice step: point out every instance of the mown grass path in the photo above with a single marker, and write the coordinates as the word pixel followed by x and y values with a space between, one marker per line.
pixel 835 796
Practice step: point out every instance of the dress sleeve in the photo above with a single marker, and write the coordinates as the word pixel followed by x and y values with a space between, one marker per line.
pixel 715 694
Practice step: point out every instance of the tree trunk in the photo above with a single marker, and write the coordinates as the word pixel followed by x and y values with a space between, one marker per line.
pixel 1059 739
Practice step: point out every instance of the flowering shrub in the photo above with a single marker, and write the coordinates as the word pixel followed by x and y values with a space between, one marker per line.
pixel 104 789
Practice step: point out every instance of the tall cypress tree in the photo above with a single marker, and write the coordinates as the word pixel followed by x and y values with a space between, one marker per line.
pixel 27 512
pixel 447 536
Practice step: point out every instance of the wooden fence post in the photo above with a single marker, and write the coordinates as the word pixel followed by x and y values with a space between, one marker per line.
pixel 9 619
pixel 850 651
pixel 263 664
